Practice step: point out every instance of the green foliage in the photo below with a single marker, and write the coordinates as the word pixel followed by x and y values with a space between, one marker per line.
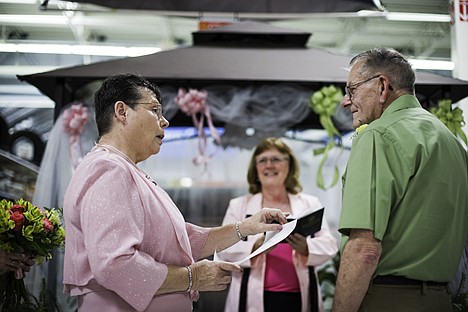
pixel 324 102
pixel 452 118
pixel 327 276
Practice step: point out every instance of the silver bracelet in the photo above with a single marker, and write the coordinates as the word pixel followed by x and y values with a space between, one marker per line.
pixel 239 234
pixel 190 278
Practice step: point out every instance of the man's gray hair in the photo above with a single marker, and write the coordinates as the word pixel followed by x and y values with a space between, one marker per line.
pixel 389 62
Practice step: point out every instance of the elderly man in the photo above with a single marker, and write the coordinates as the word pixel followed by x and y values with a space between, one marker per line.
pixel 404 217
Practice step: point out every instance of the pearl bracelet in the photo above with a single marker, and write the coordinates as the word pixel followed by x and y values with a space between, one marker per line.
pixel 190 278
pixel 239 234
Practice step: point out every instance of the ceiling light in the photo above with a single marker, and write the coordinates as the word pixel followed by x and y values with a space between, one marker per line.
pixel 19 1
pixel 432 64
pixel 23 19
pixel 78 49
pixel 26 101
pixel 417 17
pixel 406 17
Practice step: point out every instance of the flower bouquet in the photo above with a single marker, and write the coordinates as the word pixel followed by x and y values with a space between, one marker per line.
pixel 25 228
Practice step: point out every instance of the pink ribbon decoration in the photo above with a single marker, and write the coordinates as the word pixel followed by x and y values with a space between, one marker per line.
pixel 74 120
pixel 192 103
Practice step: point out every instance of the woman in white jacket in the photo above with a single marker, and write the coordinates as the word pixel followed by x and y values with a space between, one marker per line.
pixel 284 278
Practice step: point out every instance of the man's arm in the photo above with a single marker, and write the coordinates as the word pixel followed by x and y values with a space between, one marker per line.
pixel 358 262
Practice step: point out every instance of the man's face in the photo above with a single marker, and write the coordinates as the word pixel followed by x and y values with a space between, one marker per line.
pixel 362 96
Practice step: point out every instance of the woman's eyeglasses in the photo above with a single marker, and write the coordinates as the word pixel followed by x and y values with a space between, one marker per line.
pixel 274 160
pixel 156 109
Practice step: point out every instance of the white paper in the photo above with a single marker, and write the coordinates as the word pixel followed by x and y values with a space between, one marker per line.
pixel 271 239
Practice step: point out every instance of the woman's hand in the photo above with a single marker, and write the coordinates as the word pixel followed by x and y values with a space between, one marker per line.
pixel 212 276
pixel 15 261
pixel 298 243
pixel 262 222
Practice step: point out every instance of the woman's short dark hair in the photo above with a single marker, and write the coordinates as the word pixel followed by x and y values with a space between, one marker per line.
pixel 123 87
pixel 292 183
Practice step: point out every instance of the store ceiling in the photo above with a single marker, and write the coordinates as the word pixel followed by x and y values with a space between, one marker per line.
pixel 345 33
pixel 30 21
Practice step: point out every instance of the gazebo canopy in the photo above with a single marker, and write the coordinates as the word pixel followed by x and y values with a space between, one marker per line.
pixel 247 53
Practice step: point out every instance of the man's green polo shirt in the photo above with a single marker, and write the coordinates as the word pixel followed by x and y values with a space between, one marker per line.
pixel 407 180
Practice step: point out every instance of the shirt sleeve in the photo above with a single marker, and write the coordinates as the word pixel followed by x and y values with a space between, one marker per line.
pixel 376 178
pixel 197 236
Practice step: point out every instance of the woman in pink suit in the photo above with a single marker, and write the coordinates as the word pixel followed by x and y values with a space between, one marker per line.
pixel 284 278
pixel 128 247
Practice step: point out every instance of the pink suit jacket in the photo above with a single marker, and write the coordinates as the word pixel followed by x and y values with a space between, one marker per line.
pixel 322 248
pixel 122 232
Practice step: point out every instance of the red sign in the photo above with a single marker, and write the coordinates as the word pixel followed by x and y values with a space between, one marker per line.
pixel 463 10
pixel 202 25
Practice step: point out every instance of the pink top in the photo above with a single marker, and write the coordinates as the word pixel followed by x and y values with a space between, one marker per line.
pixel 122 232
pixel 280 273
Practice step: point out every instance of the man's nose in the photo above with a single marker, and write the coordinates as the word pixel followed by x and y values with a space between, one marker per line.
pixel 345 101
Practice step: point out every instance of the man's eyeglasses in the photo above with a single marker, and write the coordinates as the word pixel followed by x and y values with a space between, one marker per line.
pixel 156 109
pixel 351 89
pixel 274 160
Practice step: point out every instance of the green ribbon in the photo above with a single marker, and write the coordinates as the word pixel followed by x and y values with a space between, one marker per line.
pixel 452 118
pixel 323 102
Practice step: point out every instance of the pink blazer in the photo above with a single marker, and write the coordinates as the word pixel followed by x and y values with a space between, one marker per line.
pixel 321 248
pixel 122 232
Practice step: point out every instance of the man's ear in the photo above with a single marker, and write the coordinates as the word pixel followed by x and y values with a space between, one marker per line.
pixel 384 89
pixel 120 111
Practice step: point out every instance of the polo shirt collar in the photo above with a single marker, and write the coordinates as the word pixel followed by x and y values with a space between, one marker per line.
pixel 402 102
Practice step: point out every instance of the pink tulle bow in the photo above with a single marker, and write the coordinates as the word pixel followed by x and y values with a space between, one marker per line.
pixel 74 120
pixel 192 103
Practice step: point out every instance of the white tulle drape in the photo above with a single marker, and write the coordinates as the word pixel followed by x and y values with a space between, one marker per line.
pixel 54 175
pixel 265 109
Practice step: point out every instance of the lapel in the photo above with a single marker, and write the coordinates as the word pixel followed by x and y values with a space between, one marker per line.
pixel 173 213
pixel 253 204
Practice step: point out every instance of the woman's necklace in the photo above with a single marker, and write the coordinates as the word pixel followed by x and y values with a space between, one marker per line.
pixel 115 150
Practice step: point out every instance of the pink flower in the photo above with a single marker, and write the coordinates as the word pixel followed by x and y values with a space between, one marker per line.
pixel 18 218
pixel 75 118
pixel 47 225
pixel 17 208
pixel 191 102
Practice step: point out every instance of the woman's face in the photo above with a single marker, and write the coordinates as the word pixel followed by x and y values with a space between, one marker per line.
pixel 272 168
pixel 147 126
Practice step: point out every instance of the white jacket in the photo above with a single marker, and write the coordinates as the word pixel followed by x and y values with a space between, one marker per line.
pixel 322 247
